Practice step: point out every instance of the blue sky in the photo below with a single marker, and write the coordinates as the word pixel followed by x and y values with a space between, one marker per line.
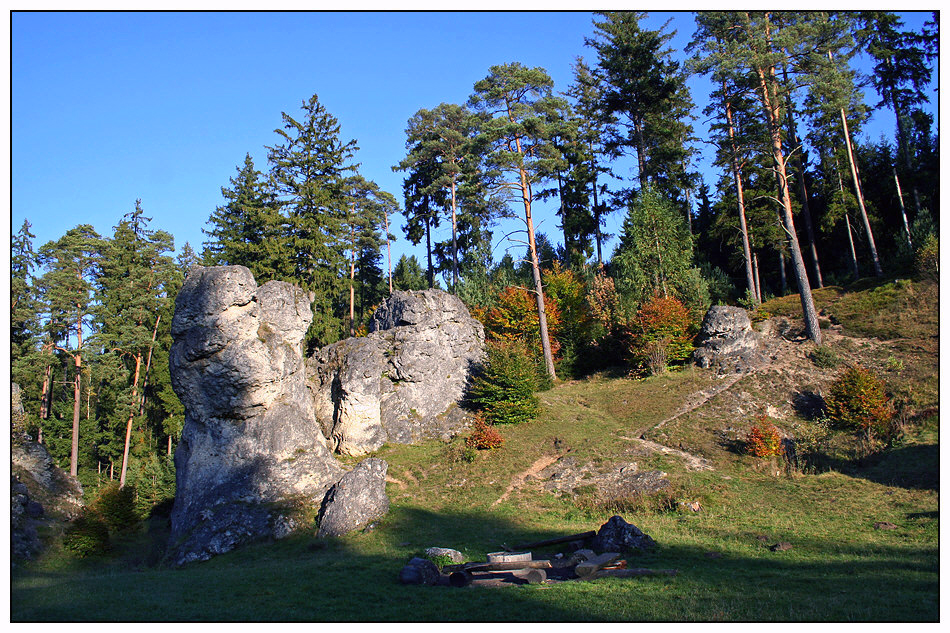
pixel 111 107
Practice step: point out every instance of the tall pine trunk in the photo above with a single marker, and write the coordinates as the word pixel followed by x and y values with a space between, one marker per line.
pixel 847 220
pixel 860 196
pixel 389 254
pixel 802 190
pixel 900 198
pixel 772 108
pixel 77 397
pixel 128 425
pixel 737 175
pixel 455 260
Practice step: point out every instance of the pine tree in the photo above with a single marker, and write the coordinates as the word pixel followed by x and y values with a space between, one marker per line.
pixel 67 288
pixel 762 48
pixel 441 142
pixel 308 169
pixel 524 119
pixel 900 75
pixel 367 206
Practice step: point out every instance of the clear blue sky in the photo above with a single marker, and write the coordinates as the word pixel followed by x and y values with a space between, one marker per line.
pixel 111 107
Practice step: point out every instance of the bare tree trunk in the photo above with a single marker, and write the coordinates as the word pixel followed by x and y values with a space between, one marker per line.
pixel 536 273
pixel 641 151
pixel 389 253
pixel 128 425
pixel 429 274
pixel 597 223
pixel 860 196
pixel 77 396
pixel 803 192
pixel 757 290
pixel 772 110
pixel 455 260
pixel 847 220
pixel 169 445
pixel 148 365
pixel 737 174
pixel 46 396
pixel 900 197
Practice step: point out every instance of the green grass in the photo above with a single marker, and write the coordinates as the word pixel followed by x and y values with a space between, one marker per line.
pixel 840 567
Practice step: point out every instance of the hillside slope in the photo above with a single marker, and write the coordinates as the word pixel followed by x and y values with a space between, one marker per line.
pixel 714 522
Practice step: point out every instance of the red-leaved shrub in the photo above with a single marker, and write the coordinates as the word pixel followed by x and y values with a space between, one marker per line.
pixel 484 436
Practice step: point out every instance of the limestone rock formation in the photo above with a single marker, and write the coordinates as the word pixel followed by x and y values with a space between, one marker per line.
pixel 41 494
pixel 727 341
pixel 402 382
pixel 250 449
pixel 354 502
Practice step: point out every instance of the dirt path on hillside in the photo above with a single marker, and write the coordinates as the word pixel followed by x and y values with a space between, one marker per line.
pixel 518 480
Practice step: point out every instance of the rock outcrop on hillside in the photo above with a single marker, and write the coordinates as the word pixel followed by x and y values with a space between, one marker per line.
pixel 41 493
pixel 727 341
pixel 250 450
pixel 401 383
pixel 261 423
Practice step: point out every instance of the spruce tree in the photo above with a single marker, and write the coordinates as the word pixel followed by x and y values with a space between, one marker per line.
pixel 136 275
pixel 308 169
pixel 243 226
pixel 408 274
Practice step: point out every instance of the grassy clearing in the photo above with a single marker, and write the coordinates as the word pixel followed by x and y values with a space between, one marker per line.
pixel 840 568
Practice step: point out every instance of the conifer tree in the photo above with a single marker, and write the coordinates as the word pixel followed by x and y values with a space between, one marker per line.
pixel 523 120
pixel 592 120
pixel 72 265
pixel 136 275
pixel 645 94
pixel 242 229
pixel 408 274
pixel 308 168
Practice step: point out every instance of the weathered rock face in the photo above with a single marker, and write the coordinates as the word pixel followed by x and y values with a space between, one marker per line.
pixel 727 341
pixel 250 446
pixel 41 493
pixel 402 382
pixel 358 499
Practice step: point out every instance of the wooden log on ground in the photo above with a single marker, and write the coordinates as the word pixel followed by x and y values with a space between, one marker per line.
pixel 557 541
pixel 596 563
pixel 633 572
pixel 481 566
pixel 464 578
pixel 531 576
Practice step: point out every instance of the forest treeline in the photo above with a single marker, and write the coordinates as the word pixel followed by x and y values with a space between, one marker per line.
pixel 800 203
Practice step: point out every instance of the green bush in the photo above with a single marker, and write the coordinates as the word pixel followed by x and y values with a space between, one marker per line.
pixel 857 401
pixel 86 535
pixel 928 258
pixel 504 389
pixel 116 506
pixel 824 357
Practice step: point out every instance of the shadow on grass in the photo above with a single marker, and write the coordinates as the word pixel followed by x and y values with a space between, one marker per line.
pixel 356 579
pixel 915 467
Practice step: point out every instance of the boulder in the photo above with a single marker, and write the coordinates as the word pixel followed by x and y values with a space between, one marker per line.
pixel 727 342
pixel 401 383
pixel 452 554
pixel 251 450
pixel 419 571
pixel 358 499
pixel 616 535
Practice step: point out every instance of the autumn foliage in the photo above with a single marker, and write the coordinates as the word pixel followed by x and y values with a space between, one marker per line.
pixel 515 317
pixel 763 439
pixel 857 401
pixel 484 435
pixel 662 333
